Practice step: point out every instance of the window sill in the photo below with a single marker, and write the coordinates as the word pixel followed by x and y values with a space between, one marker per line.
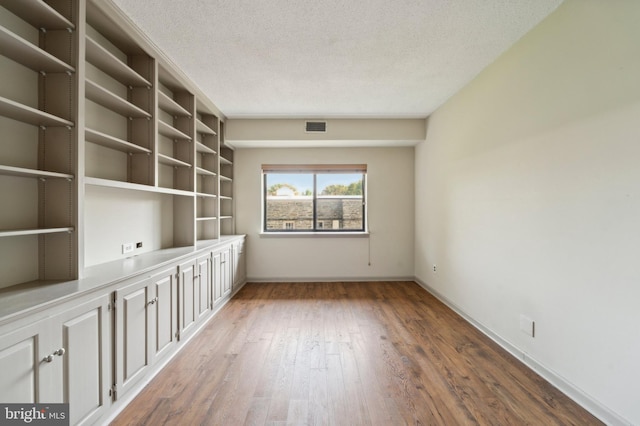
pixel 359 234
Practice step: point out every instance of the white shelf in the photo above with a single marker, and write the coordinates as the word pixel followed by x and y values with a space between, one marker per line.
pixel 26 114
pixel 225 178
pixel 226 217
pixel 204 172
pixel 170 161
pixel 225 197
pixel 203 128
pixel 135 186
pixel 112 142
pixel 30 55
pixel 108 99
pixel 203 149
pixel 205 195
pixel 37 13
pixel 171 132
pixel 31 173
pixel 172 107
pixel 110 64
pixel 35 231
pixel 208 218
pixel 225 161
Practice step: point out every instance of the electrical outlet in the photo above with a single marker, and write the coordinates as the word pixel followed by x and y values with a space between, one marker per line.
pixel 434 267
pixel 139 244
pixel 527 326
pixel 127 248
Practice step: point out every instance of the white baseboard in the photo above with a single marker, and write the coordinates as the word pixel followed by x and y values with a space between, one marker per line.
pixel 325 279
pixel 586 401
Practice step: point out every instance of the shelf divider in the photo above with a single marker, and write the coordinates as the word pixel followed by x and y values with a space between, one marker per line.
pixel 172 107
pixel 26 114
pixel 32 173
pixel 35 231
pixel 171 132
pixel 30 55
pixel 203 128
pixel 37 13
pixel 110 64
pixel 170 161
pixel 112 142
pixel 104 97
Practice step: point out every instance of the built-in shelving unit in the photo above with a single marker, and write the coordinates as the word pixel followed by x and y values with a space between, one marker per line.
pixel 176 129
pixel 111 171
pixel 227 223
pixel 38 186
pixel 207 174
pixel 119 103
pixel 91 111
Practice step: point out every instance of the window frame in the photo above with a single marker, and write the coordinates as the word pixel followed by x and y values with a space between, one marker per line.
pixel 314 170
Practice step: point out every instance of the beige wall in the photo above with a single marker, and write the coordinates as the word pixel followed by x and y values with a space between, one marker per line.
pixel 528 200
pixel 115 216
pixel 285 133
pixel 390 199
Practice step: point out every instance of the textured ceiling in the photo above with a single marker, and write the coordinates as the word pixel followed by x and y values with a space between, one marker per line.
pixel 333 58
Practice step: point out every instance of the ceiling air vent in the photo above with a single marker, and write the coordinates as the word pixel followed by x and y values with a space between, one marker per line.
pixel 316 126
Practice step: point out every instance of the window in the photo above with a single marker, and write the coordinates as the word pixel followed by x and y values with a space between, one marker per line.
pixel 314 198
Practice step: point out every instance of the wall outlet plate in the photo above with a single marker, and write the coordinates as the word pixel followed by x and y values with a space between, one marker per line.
pixel 127 247
pixel 527 326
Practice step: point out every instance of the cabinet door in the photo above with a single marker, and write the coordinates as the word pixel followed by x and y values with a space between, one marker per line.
pixel 225 271
pixel 217 277
pixel 164 311
pixel 85 335
pixel 65 358
pixel 239 264
pixel 133 340
pixel 26 377
pixel 203 284
pixel 187 297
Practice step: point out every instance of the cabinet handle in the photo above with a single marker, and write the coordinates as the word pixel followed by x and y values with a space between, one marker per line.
pixel 59 352
pixel 153 301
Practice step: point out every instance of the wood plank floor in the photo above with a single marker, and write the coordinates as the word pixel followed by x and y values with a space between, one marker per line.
pixel 369 353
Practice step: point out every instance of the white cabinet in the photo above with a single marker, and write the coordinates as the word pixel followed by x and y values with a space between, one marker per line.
pixel 194 296
pixel 164 311
pixel 25 376
pixel 222 279
pixel 203 284
pixel 64 358
pixel 225 271
pixel 90 350
pixel 146 319
pixel 84 332
pixel 217 278
pixel 133 337
pixel 239 264
pixel 187 298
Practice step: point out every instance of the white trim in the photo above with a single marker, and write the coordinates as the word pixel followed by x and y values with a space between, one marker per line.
pixel 325 279
pixel 580 397
pixel 320 234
